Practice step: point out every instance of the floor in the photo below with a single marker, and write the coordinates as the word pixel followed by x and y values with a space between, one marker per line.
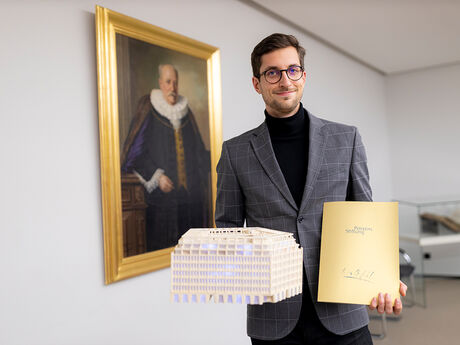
pixel 436 324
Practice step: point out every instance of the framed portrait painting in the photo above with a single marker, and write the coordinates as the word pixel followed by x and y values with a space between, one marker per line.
pixel 160 140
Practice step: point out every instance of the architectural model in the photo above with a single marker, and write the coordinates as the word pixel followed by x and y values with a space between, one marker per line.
pixel 236 265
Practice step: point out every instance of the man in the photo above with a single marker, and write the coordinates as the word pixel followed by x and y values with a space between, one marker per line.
pixel 278 176
pixel 165 151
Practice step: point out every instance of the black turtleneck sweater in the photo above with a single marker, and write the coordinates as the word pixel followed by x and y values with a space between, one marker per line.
pixel 289 136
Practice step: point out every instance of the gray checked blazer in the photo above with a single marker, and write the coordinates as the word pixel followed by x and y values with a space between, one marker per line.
pixel 252 188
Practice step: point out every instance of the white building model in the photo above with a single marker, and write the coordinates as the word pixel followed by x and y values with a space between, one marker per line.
pixel 236 265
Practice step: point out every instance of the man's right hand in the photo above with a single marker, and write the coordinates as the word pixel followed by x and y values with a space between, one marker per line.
pixel 165 184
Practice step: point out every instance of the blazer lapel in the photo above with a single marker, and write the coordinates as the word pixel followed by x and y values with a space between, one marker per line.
pixel 263 149
pixel 317 143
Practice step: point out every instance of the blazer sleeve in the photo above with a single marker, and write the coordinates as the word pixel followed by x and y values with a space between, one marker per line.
pixel 359 188
pixel 230 199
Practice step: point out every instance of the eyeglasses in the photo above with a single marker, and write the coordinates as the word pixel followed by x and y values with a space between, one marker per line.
pixel 273 75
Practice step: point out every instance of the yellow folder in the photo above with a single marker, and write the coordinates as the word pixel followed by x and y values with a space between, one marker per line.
pixel 359 252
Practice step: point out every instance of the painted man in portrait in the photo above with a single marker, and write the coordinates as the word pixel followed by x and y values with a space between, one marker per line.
pixel 165 150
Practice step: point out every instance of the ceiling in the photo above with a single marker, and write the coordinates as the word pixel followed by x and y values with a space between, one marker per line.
pixel 389 36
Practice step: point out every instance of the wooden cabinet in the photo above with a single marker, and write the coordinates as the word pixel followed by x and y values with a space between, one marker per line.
pixel 133 206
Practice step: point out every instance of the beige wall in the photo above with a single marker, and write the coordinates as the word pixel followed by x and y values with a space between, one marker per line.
pixel 423 110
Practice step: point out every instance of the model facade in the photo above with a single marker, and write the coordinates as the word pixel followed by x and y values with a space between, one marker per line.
pixel 236 265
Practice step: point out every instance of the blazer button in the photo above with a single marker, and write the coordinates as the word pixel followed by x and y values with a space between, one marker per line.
pixel 300 219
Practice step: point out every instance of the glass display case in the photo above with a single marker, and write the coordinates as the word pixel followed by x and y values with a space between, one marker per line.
pixel 429 231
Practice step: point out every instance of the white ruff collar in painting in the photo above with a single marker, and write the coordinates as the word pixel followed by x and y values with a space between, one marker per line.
pixel 174 113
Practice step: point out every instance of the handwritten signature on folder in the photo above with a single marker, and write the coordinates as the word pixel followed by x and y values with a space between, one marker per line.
pixel 359 274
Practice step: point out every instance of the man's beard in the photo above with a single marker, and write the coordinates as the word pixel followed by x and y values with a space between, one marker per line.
pixel 173 97
pixel 283 107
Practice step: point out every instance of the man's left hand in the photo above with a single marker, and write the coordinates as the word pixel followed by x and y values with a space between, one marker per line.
pixel 384 304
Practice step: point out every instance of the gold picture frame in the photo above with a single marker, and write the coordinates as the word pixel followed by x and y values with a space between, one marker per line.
pixel 110 28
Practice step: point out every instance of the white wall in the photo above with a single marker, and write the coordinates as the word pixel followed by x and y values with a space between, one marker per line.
pixel 51 247
pixel 423 110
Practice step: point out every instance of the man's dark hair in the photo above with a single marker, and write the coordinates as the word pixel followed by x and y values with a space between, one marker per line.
pixel 274 42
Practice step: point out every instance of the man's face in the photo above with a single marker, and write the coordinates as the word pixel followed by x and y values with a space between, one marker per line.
pixel 168 84
pixel 282 98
